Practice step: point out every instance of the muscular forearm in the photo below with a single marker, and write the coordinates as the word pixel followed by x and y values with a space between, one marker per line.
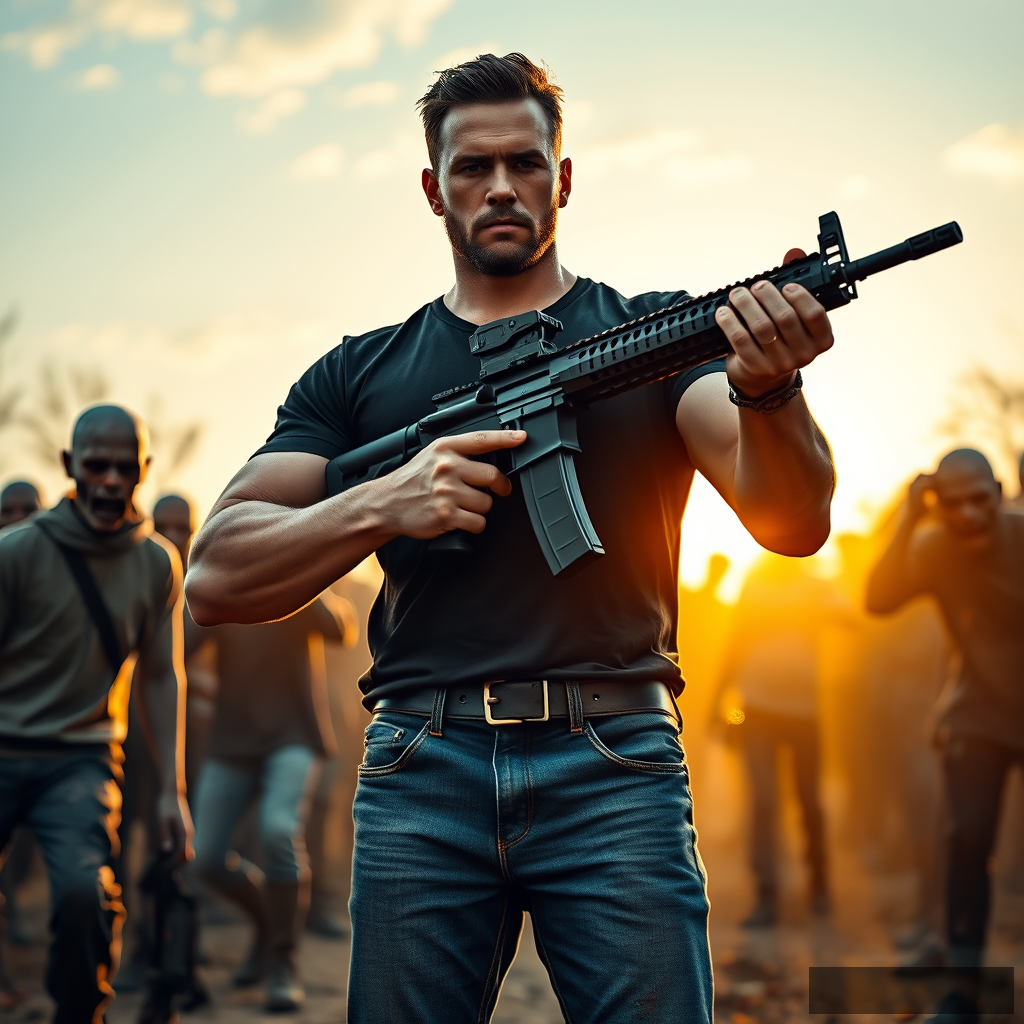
pixel 783 479
pixel 254 561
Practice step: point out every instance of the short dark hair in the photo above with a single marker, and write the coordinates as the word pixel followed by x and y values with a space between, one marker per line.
pixel 489 79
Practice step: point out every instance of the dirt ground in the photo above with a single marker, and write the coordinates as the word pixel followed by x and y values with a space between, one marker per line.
pixel 760 975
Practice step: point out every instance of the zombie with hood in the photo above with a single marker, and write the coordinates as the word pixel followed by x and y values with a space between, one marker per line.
pixel 86 591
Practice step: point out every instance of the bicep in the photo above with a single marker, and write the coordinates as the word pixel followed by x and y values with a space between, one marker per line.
pixel 708 423
pixel 291 479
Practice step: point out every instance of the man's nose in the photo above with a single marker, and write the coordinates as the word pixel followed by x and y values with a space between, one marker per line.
pixel 501 191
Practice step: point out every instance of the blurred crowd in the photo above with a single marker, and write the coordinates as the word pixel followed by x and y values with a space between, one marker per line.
pixel 863 693
pixel 876 698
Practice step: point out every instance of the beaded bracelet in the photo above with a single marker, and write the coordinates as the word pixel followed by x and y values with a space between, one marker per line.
pixel 770 402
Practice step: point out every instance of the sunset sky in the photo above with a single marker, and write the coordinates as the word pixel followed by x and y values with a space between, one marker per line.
pixel 199 197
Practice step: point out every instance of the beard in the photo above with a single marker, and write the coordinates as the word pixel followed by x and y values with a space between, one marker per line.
pixel 504 259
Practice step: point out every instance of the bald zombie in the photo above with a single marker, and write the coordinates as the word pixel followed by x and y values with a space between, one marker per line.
pixel 87 593
pixel 958 542
pixel 18 500
pixel 172 519
pixel 967 495
pixel 108 459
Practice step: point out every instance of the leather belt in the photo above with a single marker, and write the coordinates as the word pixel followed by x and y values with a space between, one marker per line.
pixel 513 701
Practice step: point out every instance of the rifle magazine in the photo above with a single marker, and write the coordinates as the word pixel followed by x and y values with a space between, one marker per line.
pixel 558 515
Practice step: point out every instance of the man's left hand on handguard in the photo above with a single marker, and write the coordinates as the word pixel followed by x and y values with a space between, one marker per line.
pixel 773 333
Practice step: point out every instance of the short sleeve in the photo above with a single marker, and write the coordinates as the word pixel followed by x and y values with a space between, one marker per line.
pixel 683 380
pixel 315 417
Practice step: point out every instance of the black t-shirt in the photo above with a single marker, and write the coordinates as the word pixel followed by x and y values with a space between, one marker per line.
pixel 499 613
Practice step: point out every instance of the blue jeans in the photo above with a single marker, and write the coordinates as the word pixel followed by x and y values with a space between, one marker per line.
pixel 285 780
pixel 590 831
pixel 72 804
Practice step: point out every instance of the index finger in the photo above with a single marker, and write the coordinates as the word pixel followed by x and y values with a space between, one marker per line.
pixel 481 441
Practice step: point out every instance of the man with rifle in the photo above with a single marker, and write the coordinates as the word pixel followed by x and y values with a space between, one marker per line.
pixel 85 590
pixel 523 754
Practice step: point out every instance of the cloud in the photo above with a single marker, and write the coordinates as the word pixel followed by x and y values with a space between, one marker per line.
pixel 318 164
pixel 222 10
pixel 679 156
pixel 462 54
pixel 274 108
pixel 406 154
pixel 100 76
pixel 137 19
pixel 289 45
pixel 371 94
pixel 303 42
pixel 995 152
pixel 140 19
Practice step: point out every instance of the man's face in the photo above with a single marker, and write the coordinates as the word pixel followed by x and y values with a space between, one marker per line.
pixel 106 468
pixel 968 503
pixel 16 504
pixel 499 185
pixel 173 521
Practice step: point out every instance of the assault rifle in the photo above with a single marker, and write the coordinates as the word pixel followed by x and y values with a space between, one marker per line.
pixel 527 383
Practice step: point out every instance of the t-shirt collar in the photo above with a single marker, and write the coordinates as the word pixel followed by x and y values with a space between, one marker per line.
pixel 442 312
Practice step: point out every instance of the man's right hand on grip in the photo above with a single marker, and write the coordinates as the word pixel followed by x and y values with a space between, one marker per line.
pixel 444 488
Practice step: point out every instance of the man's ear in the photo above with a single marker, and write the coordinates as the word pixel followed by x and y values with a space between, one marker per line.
pixel 144 469
pixel 432 190
pixel 65 457
pixel 564 182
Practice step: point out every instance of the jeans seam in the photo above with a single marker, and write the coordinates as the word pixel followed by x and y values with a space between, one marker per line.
pixel 650 767
pixel 529 807
pixel 489 988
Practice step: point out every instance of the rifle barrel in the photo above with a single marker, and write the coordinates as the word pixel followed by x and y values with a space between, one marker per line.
pixel 912 249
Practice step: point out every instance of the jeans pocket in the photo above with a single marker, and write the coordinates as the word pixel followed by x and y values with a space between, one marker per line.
pixel 646 742
pixel 390 741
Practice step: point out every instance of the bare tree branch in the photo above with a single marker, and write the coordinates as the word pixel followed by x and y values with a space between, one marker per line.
pixel 174 445
pixel 55 403
pixel 989 409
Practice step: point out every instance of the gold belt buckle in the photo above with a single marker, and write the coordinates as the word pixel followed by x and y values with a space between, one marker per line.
pixel 489 701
